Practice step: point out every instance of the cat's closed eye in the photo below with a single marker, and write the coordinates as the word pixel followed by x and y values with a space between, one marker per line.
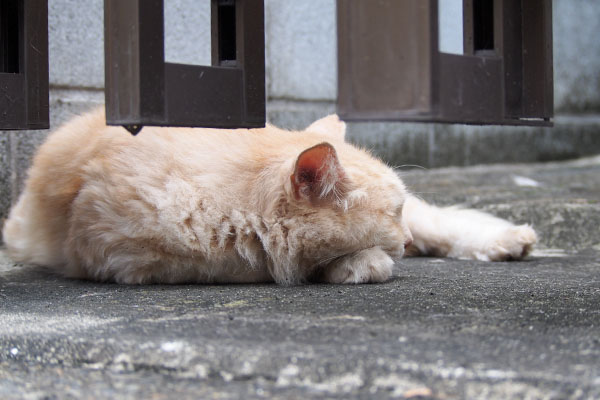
pixel 395 212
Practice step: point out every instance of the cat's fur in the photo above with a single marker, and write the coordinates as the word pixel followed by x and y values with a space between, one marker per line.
pixel 203 205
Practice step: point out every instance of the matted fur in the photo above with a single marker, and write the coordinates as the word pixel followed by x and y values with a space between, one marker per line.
pixel 176 205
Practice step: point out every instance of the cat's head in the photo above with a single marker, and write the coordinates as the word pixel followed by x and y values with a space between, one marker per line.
pixel 346 199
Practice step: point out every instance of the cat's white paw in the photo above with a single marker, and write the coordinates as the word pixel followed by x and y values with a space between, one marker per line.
pixel 366 266
pixel 513 243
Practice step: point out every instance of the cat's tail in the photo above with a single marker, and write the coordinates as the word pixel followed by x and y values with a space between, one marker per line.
pixel 28 242
pixel 12 235
pixel 37 226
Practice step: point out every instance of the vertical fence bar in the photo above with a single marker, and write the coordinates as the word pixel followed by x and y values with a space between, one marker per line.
pixel 134 62
pixel 24 103
pixel 142 89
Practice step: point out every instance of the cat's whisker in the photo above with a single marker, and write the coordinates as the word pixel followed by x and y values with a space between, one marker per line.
pixel 420 193
pixel 399 262
pixel 328 260
pixel 395 167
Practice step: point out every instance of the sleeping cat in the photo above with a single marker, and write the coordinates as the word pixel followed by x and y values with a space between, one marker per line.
pixel 175 205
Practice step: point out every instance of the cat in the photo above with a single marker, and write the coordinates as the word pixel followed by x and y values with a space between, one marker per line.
pixel 181 205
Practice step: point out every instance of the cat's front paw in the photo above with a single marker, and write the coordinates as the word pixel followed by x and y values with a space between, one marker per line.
pixel 366 266
pixel 514 243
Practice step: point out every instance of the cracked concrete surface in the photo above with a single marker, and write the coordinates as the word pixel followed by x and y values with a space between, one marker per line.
pixel 443 329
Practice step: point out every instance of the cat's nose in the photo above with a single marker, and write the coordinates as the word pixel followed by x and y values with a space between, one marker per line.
pixel 407 242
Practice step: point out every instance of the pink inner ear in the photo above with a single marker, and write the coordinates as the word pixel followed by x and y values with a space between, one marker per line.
pixel 312 162
pixel 317 172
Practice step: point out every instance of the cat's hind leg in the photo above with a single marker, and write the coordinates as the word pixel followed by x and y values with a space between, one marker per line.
pixel 463 233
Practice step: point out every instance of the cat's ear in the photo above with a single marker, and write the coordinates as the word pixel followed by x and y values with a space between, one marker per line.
pixel 318 176
pixel 330 126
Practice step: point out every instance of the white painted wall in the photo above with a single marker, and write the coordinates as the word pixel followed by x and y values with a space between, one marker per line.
pixel 301 49
pixel 450 16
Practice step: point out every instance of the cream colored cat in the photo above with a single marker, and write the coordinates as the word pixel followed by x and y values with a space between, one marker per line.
pixel 204 205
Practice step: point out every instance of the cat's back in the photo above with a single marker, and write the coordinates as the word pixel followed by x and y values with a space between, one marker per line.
pixel 105 167
pixel 70 150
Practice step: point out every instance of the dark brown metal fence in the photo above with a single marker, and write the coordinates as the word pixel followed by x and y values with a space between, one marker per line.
pixel 390 66
pixel 143 89
pixel 24 64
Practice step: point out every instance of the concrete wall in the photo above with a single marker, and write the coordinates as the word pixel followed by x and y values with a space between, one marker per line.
pixel 301 85
pixel 301 47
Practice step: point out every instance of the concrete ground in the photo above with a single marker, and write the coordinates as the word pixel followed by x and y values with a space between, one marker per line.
pixel 442 329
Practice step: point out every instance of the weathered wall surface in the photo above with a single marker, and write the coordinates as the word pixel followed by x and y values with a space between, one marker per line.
pixel 301 47
pixel 576 55
pixel 301 85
